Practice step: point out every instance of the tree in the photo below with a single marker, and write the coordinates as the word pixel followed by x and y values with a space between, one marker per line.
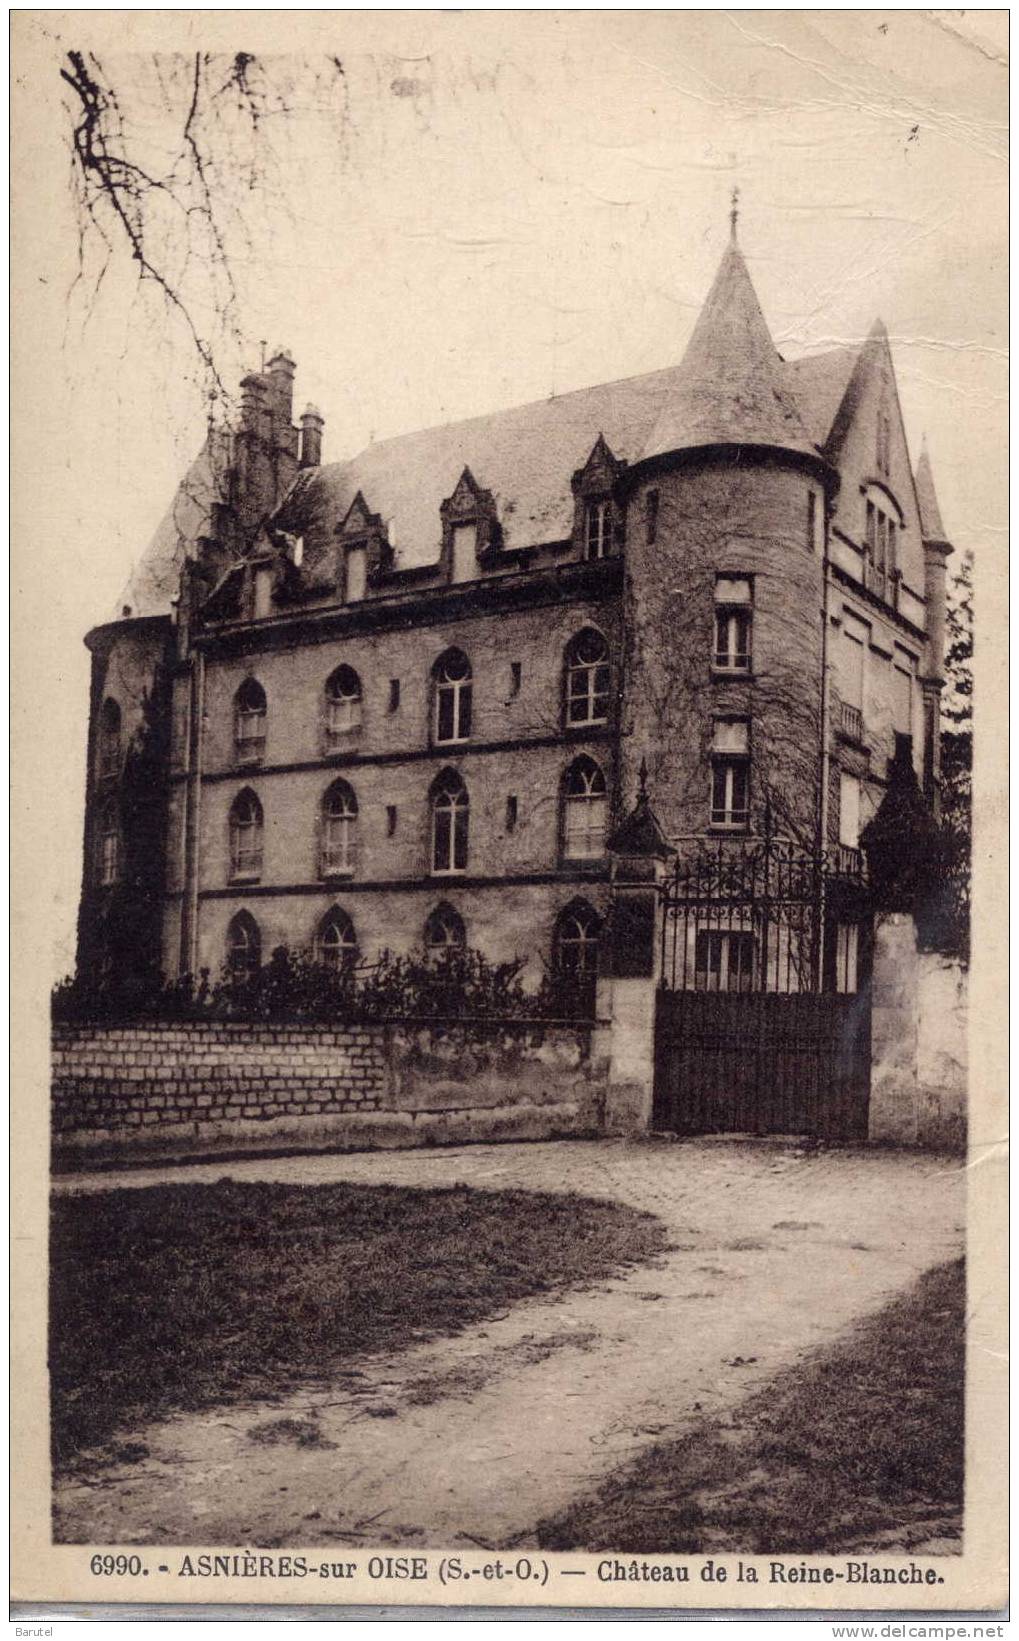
pixel 172 164
pixel 957 758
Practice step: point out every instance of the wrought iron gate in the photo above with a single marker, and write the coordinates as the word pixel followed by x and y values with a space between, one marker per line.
pixel 763 1016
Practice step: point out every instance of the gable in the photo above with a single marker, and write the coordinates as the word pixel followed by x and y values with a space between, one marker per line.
pixel 868 447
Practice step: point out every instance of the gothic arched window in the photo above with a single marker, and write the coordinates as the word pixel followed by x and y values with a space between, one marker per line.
pixel 585 811
pixel 339 830
pixel 343 704
pixel 452 685
pixel 245 836
pixel 444 932
pixel 109 740
pixel 575 957
pixel 588 679
pixel 249 722
pixel 450 820
pixel 335 940
pixel 243 947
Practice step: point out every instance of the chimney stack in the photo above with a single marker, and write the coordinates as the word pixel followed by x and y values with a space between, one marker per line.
pixel 280 371
pixel 312 423
pixel 253 403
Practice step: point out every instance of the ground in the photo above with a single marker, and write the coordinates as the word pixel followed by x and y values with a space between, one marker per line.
pixel 774 1250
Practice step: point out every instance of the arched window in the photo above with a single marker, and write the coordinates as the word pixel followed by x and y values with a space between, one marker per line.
pixel 109 740
pixel 444 932
pixel 343 705
pixel 588 679
pixel 575 957
pixel 249 722
pixel 452 678
pixel 450 817
pixel 335 940
pixel 585 811
pixel 243 947
pixel 339 830
pixel 245 836
pixel 108 844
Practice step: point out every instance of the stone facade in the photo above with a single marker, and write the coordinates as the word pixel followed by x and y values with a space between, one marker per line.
pixel 165 1089
pixel 629 513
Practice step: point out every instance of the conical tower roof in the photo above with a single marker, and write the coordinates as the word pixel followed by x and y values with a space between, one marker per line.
pixel 931 525
pixel 730 387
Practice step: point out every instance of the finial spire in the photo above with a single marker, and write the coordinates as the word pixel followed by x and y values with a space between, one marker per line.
pixel 734 214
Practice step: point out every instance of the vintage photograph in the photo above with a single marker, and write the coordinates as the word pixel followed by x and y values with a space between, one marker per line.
pixel 518 491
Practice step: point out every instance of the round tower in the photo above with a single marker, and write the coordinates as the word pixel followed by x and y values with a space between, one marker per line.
pixel 724 590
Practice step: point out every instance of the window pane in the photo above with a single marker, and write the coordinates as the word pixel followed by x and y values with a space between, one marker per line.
pixel 445 730
pixel 460 838
pixel 442 856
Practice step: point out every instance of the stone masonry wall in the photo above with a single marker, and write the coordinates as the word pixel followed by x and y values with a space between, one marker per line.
pixel 919 1041
pixel 165 1089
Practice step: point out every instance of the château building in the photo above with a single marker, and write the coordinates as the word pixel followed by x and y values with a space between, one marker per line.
pixel 402 700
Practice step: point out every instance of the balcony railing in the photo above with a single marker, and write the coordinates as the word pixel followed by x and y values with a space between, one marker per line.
pixel 849 861
pixel 851 721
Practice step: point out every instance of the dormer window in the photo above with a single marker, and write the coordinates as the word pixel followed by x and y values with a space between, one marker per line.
pixel 598 539
pixel 465 552
pixel 470 530
pixel 597 520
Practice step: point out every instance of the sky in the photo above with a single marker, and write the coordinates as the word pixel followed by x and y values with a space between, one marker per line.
pixel 493 207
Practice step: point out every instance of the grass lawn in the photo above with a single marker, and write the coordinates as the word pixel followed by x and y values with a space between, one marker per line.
pixel 189 1296
pixel 862 1439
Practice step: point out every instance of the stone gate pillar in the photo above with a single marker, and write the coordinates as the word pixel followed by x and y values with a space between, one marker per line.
pixel 628 986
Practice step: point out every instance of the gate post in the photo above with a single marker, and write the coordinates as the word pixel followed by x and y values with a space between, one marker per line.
pixel 627 990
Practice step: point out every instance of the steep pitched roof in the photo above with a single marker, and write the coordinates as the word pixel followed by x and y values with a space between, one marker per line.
pixel 731 386
pixel 819 384
pixel 525 457
pixel 927 499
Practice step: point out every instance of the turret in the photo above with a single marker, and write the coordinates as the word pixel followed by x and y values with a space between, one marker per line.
pixel 936 551
pixel 724 549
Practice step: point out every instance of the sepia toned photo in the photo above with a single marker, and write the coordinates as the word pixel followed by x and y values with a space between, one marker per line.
pixel 510 532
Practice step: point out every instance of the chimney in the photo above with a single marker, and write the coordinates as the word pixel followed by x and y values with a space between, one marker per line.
pixel 312 423
pixel 280 371
pixel 253 403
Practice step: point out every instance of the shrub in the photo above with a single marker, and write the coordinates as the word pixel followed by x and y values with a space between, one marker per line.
pixel 293 986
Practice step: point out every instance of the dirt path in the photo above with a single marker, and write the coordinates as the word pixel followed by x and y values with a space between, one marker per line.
pixel 474 1439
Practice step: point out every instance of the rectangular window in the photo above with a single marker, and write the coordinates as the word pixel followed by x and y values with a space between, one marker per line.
pixel 732 640
pixel 390 820
pixel 871 530
pixel 465 552
pixel 730 785
pixel 733 623
pixel 852 661
pixel 724 960
pixel 849 811
pixel 357 571
pixel 511 814
pixel 394 694
pixel 515 677
pixel 263 594
pixel 651 516
pixel 903 673
pixel 599 529
pixel 847 949
pixel 811 519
